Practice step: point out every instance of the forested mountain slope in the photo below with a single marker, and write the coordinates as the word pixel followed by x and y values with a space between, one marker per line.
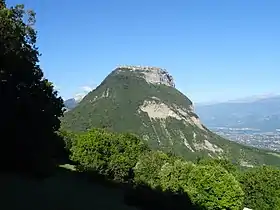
pixel 144 101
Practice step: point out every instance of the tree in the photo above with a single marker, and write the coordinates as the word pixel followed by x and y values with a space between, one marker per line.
pixel 2 4
pixel 110 154
pixel 262 188
pixel 212 187
pixel 226 164
pixel 148 167
pixel 174 177
pixel 128 150
pixel 29 108
pixel 68 138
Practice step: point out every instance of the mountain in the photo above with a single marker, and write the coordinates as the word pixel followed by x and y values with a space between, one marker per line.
pixel 144 101
pixel 261 113
pixel 70 103
pixel 73 102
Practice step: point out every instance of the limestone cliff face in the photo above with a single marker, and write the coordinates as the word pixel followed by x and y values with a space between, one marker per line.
pixel 152 75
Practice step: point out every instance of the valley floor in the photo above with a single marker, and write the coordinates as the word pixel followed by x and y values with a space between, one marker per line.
pixel 63 191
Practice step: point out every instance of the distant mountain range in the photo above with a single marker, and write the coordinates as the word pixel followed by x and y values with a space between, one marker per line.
pixel 261 113
pixel 71 103
pixel 256 112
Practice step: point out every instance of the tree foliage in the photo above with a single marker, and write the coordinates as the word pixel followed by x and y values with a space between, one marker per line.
pixel 110 154
pixel 148 167
pixel 213 187
pixel 226 164
pixel 174 176
pixel 68 138
pixel 262 188
pixel 29 108
pixel 210 183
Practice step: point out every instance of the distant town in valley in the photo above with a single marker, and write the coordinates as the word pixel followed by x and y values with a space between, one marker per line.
pixel 253 121
pixel 251 137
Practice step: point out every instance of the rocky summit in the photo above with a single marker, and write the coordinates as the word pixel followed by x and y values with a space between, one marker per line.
pixel 152 75
pixel 144 101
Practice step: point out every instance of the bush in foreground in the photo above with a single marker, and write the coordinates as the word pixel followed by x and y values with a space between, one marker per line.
pixel 148 167
pixel 174 176
pixel 226 164
pixel 210 183
pixel 213 187
pixel 68 138
pixel 262 188
pixel 110 154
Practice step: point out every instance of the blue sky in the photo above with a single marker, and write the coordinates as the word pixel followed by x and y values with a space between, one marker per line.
pixel 216 50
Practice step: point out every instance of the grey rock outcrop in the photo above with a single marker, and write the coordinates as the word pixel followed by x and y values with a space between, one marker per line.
pixel 153 75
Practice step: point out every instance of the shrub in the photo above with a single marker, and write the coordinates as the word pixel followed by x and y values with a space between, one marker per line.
pixel 174 177
pixel 212 187
pixel 127 150
pixel 262 188
pixel 226 164
pixel 148 167
pixel 110 154
pixel 68 138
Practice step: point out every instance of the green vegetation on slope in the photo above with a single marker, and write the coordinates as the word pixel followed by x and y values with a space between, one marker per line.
pixel 119 111
pixel 110 154
pixel 262 188
pixel 208 183
pixel 213 186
